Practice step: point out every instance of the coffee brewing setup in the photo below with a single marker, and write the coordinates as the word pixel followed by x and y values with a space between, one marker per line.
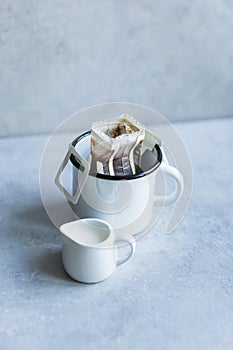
pixel 114 171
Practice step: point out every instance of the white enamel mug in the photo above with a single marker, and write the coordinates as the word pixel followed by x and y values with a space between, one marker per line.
pixel 126 203
pixel 90 249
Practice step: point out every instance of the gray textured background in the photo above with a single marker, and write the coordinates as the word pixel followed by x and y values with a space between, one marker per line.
pixel 59 56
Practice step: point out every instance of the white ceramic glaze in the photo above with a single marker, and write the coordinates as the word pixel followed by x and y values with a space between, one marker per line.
pixel 90 249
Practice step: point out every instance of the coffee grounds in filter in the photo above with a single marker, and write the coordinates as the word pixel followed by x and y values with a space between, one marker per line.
pixel 116 146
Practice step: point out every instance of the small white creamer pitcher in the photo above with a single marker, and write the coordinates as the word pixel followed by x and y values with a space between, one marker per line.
pixel 90 251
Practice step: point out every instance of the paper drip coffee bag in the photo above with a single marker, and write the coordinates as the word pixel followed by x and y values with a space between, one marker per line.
pixel 116 146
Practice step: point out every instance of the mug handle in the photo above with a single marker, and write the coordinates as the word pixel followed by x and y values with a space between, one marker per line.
pixel 83 166
pixel 177 176
pixel 131 241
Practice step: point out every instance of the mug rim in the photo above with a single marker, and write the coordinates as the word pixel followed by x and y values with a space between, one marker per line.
pixel 76 163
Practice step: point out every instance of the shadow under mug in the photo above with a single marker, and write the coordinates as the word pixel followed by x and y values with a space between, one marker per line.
pixel 90 249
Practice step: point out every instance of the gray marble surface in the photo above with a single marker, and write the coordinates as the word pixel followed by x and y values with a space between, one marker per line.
pixel 57 57
pixel 176 292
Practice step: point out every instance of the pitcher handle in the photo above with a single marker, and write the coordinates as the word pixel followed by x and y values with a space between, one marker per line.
pixel 83 166
pixel 177 176
pixel 131 241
